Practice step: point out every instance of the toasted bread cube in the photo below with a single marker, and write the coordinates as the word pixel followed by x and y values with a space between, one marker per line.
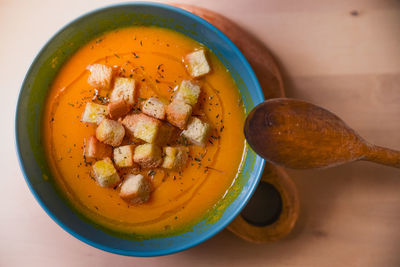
pixel 148 129
pixel 135 189
pixel 105 173
pixel 154 107
pixel 123 156
pixel 96 149
pixel 197 64
pixel 94 113
pixel 178 113
pixel 110 132
pixel 142 126
pixel 100 76
pixel 128 170
pixel 197 131
pixel 164 134
pixel 148 155
pixel 175 157
pixel 124 89
pixel 188 92
pixel 118 109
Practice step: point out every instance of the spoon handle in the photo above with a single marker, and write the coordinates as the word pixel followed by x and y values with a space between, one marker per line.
pixel 383 155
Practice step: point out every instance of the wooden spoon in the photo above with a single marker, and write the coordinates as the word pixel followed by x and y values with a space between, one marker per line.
pixel 300 135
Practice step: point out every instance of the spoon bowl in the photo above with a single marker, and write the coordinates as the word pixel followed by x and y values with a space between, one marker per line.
pixel 299 135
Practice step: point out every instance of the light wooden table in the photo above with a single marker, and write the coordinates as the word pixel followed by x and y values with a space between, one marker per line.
pixel 343 55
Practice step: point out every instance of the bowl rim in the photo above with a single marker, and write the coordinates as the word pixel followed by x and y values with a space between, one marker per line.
pixel 173 249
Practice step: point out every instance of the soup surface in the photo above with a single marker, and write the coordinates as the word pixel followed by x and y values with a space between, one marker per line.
pixel 153 58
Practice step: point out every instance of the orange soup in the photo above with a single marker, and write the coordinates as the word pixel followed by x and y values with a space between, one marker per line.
pixel 153 58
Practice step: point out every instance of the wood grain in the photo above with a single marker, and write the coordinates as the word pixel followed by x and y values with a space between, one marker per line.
pixel 347 64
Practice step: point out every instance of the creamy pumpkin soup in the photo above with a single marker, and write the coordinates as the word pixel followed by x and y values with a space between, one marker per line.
pixel 143 130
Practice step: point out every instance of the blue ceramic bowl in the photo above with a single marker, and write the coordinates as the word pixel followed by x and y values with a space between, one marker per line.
pixel 30 108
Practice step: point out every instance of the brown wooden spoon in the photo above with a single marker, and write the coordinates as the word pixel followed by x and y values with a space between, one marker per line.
pixel 299 135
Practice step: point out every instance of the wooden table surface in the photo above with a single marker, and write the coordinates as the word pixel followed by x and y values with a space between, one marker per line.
pixel 343 55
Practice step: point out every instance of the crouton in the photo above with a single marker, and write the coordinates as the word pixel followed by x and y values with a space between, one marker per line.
pixel 175 157
pixel 94 113
pixel 100 76
pixel 118 109
pixel 142 126
pixel 148 155
pixel 164 134
pixel 188 92
pixel 110 132
pixel 123 156
pixel 197 131
pixel 135 189
pixel 148 129
pixel 178 113
pixel 105 173
pixel 154 107
pixel 95 149
pixel 124 89
pixel 196 63
pixel 128 170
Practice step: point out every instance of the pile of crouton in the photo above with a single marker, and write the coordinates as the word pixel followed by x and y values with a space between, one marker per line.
pixel 154 125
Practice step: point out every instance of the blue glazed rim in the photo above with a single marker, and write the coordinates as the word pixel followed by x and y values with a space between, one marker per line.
pixel 257 172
